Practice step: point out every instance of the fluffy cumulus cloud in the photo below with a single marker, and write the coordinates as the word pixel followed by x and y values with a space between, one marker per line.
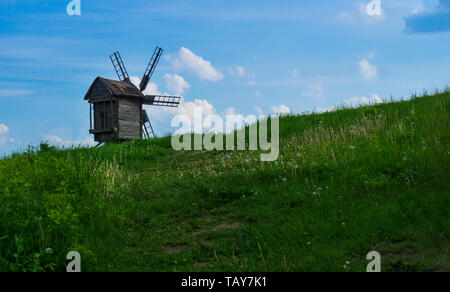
pixel 368 71
pixel 152 88
pixel 189 108
pixel 161 117
pixel 362 100
pixel 57 141
pixel 281 109
pixel 164 114
pixel 188 61
pixel 176 84
pixel 428 21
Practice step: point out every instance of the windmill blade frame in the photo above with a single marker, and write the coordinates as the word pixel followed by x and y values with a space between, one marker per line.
pixel 119 67
pixel 162 100
pixel 147 128
pixel 151 68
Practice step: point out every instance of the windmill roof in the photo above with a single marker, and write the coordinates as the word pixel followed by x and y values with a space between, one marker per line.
pixel 113 88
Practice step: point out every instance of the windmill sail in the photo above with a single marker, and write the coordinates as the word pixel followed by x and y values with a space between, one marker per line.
pixel 147 126
pixel 121 71
pixel 151 68
pixel 162 100
pixel 116 90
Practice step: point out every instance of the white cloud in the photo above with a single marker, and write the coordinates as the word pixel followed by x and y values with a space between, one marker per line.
pixel 4 131
pixel 162 114
pixel 189 107
pixel 368 71
pixel 152 88
pixel 57 141
pixel 176 84
pixel 281 109
pixel 187 60
pixel 315 90
pixel 360 101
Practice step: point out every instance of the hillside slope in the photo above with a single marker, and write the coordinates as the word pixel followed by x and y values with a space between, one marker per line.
pixel 347 182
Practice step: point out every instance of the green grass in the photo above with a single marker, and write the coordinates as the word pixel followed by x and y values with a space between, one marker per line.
pixel 346 183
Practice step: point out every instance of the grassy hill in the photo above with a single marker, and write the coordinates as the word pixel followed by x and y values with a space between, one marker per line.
pixel 347 182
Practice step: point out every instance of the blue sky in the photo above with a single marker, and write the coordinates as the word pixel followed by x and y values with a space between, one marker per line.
pixel 241 56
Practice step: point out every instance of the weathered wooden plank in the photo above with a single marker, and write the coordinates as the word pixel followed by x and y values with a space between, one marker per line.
pixel 100 98
pixel 129 109
pixel 129 129
pixel 105 116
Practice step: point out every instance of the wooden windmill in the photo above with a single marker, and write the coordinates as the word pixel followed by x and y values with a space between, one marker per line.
pixel 116 107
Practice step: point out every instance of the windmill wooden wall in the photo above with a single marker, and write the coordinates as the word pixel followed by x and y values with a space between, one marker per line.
pixel 116 110
pixel 103 119
pixel 130 118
